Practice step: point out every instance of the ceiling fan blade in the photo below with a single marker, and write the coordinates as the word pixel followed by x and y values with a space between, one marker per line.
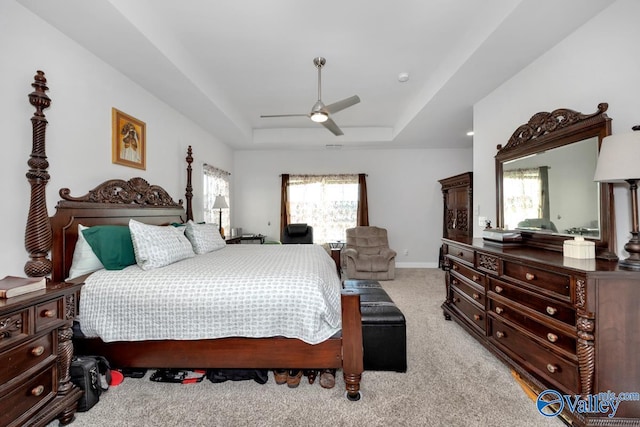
pixel 284 115
pixel 332 126
pixel 341 105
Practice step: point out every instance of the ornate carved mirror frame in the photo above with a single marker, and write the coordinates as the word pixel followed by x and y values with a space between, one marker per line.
pixel 546 131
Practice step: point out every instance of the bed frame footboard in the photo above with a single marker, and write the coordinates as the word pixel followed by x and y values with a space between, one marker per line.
pixel 341 352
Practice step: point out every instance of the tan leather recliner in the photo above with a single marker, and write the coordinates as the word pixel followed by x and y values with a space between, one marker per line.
pixel 368 255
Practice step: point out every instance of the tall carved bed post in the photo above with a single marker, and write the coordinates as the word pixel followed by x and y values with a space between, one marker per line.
pixel 38 236
pixel 189 193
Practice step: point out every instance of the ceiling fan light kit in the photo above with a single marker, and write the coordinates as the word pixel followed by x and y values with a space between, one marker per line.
pixel 320 112
pixel 319 117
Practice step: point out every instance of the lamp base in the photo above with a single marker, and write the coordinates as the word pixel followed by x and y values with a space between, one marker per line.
pixel 633 248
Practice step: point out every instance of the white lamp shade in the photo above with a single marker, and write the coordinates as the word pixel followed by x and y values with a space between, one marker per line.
pixel 619 158
pixel 220 203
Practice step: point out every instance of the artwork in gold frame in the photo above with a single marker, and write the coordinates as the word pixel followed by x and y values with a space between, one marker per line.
pixel 129 145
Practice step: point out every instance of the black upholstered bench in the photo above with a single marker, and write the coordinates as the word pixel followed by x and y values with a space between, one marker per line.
pixel 384 333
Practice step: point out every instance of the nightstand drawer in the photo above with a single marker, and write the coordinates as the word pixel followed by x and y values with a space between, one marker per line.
pixel 24 357
pixel 49 314
pixel 27 397
pixel 13 327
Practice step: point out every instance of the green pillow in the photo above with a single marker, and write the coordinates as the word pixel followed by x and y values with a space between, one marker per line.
pixel 112 245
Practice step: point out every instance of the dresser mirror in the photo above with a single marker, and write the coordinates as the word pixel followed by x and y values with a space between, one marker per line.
pixel 544 181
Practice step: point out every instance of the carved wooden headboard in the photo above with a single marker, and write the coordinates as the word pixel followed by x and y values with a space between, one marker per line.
pixel 113 202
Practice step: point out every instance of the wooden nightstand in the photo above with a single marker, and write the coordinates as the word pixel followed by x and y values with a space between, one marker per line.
pixel 35 355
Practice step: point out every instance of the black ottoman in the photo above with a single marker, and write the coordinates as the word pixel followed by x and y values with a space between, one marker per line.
pixel 384 333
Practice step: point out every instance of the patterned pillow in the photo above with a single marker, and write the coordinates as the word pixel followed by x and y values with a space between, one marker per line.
pixel 84 260
pixel 204 237
pixel 156 246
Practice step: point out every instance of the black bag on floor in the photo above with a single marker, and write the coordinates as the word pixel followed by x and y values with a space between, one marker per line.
pixel 93 375
pixel 260 376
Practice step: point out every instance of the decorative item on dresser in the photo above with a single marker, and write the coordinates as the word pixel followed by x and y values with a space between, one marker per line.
pixel 118 202
pixel 35 355
pixel 561 323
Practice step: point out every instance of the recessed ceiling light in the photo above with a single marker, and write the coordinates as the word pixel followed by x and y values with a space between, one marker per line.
pixel 470 133
pixel 403 77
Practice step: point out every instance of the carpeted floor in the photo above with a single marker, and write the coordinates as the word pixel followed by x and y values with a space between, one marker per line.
pixel 452 381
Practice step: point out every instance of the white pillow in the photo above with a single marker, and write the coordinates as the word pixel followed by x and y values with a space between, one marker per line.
pixel 156 246
pixel 84 260
pixel 204 237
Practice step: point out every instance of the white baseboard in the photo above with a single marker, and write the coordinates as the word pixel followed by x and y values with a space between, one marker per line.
pixel 416 265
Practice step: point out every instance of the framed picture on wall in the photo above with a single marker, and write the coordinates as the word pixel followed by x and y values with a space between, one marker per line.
pixel 129 145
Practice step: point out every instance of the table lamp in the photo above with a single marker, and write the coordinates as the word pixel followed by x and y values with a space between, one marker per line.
pixel 220 203
pixel 618 162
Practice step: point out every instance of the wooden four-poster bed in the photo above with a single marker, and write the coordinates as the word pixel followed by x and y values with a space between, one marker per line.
pixel 116 202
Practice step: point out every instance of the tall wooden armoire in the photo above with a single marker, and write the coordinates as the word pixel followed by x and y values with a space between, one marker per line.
pixel 457 193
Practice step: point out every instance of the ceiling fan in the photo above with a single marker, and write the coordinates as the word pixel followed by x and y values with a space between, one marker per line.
pixel 320 112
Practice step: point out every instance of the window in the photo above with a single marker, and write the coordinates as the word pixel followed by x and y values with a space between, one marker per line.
pixel 216 183
pixel 328 203
pixel 526 195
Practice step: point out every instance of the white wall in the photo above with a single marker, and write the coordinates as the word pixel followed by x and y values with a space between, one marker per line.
pixel 595 64
pixel 83 90
pixel 403 191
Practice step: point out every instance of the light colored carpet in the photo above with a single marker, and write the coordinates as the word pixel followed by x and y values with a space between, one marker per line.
pixel 452 381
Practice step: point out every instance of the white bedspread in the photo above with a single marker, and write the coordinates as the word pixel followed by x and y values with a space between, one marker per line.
pixel 240 290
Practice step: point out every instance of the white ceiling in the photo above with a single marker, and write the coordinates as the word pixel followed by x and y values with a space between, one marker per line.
pixel 225 63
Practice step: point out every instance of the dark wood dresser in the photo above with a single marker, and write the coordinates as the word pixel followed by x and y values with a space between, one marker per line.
pixel 564 324
pixel 35 354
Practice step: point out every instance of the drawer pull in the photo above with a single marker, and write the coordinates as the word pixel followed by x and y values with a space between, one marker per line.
pixel 454 282
pixel 499 310
pixel 552 337
pixel 499 289
pixel 461 254
pixel 455 267
pixel 477 317
pixel 49 313
pixel 552 368
pixel 530 276
pixel 475 278
pixel 37 351
pixel 551 310
pixel 500 334
pixel 37 391
pixel 455 300
pixel 476 296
